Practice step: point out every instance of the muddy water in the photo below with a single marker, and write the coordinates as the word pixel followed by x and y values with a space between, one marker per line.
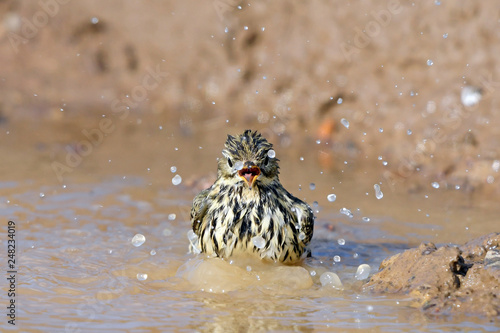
pixel 79 271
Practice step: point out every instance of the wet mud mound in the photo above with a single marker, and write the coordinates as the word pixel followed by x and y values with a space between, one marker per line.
pixel 446 280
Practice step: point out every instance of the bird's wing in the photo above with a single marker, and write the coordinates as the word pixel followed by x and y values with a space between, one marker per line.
pixel 307 223
pixel 199 209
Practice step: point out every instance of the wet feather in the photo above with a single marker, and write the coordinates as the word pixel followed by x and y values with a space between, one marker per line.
pixel 246 201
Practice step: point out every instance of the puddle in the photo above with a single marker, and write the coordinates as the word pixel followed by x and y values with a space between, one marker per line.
pixel 79 269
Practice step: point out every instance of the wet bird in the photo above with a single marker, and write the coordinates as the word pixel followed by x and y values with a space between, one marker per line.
pixel 247 210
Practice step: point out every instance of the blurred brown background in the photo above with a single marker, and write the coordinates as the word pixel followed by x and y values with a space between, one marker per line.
pixel 170 71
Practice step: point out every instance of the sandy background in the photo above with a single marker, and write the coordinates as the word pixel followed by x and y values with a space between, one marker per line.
pixel 394 70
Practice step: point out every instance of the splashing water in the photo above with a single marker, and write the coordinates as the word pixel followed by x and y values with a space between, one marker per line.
pixel 259 242
pixel 344 122
pixel 138 240
pixel 362 272
pixel 176 180
pixel 193 240
pixel 378 193
pixel 470 95
pixel 346 211
pixel 331 197
pixel 142 277
pixel 238 165
pixel 330 279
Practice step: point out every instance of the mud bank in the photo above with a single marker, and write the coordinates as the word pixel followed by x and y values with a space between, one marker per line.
pixel 446 280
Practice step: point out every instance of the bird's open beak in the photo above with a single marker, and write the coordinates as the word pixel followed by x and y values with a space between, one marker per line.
pixel 249 175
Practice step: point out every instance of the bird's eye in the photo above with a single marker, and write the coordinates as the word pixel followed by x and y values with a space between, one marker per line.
pixel 229 163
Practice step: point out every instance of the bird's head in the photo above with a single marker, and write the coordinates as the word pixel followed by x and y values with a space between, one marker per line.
pixel 248 159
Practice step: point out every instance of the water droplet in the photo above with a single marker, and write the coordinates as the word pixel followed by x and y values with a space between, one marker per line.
pixel 138 240
pixel 331 197
pixel 94 20
pixel 341 241
pixel 249 268
pixel 445 35
pixel 171 217
pixel 42 195
pixel 301 158
pixel 313 273
pixel 336 258
pixel 142 277
pixel 346 211
pixel 271 153
pixel 365 219
pixel 362 272
pixel 435 184
pixel 312 186
pixel 302 236
pixel 344 122
pixel 166 232
pixel 318 142
pixel 176 180
pixel 330 279
pixel 226 30
pixel 192 236
pixel 409 132
pixel 238 165
pixel 378 193
pixel 495 165
pixel 430 62
pixel 470 95
pixel 259 242
pixel 153 252
pixel 339 101
pixel 173 169
pixel 490 179
pixel 381 130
